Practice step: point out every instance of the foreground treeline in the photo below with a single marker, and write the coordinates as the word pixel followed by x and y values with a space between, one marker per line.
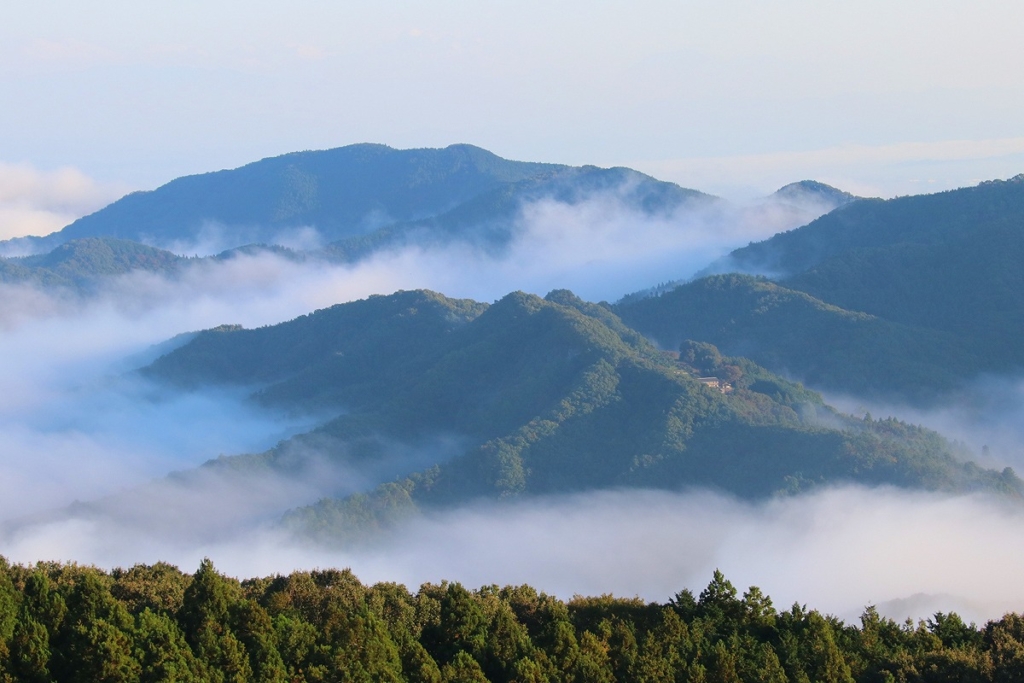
pixel 153 623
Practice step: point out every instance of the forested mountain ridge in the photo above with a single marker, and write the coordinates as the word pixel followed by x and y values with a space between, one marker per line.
pixel 813 190
pixel 956 268
pixel 349 193
pixel 547 395
pixel 64 623
pixel 929 219
pixel 82 263
pixel 938 277
pixel 799 335
pixel 346 190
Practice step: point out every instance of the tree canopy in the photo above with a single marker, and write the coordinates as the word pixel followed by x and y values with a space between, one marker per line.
pixel 66 622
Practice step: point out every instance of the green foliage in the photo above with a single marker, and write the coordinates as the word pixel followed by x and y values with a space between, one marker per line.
pixel 159 587
pixel 327 626
pixel 162 651
pixel 335 354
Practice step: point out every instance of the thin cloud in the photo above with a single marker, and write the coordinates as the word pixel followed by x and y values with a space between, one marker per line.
pixel 34 202
pixel 987 415
pixel 838 550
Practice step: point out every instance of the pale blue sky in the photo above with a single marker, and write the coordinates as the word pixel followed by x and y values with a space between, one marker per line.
pixel 731 97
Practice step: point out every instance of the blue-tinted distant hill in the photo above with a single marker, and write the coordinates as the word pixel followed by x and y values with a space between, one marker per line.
pixel 351 192
pixel 905 298
pixel 949 261
pixel 967 216
pixel 82 263
pixel 800 203
pixel 806 191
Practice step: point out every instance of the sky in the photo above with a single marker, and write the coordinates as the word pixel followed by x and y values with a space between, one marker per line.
pixel 736 98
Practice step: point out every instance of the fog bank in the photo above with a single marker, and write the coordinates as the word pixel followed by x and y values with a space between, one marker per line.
pixel 837 550
pixel 987 415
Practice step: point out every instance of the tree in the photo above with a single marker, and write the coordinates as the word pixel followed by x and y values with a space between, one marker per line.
pixel 463 669
pixel 162 652
pixel 95 639
pixel 462 627
pixel 255 630
pixel 506 644
pixel 30 650
pixel 719 605
pixel 204 619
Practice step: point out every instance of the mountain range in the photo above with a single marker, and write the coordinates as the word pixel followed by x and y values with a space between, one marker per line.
pixel 687 384
pixel 344 204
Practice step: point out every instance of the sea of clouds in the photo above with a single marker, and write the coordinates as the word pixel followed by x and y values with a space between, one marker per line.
pixel 86 444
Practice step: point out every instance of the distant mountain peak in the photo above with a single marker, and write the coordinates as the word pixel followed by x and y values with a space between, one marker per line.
pixel 805 190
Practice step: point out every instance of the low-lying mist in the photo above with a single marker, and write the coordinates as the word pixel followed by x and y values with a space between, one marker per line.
pixel 837 550
pixel 987 415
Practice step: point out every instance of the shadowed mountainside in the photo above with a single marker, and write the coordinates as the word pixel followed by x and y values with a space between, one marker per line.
pixel 905 299
pixel 794 333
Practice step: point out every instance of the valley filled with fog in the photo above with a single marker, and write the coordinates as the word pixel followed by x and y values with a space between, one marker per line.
pixel 87 443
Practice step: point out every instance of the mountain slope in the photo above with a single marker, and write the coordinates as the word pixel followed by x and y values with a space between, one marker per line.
pixel 545 395
pixel 81 263
pixel 799 335
pixel 343 191
pixel 945 218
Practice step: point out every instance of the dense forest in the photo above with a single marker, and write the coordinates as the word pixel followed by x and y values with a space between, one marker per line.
pixel 81 264
pixel 65 622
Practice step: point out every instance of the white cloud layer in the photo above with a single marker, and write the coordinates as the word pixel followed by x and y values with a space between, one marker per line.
pixel 34 202
pixel 838 550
